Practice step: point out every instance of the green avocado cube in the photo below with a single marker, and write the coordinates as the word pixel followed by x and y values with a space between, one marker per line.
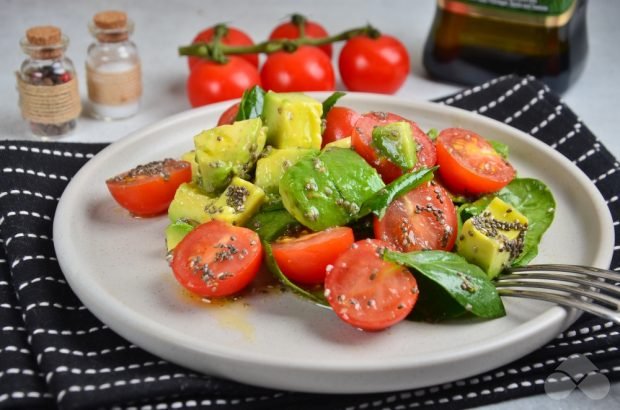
pixel 190 157
pixel 494 238
pixel 293 120
pixel 238 203
pixel 341 143
pixel 271 167
pixel 395 141
pixel 175 232
pixel 189 204
pixel 227 151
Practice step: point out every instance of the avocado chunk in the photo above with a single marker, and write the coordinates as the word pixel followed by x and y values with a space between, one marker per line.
pixel 190 156
pixel 238 203
pixel 341 143
pixel 493 238
pixel 271 167
pixel 293 120
pixel 175 232
pixel 227 151
pixel 189 203
pixel 395 142
pixel 328 190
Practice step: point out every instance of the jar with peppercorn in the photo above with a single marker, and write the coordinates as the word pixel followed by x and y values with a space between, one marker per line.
pixel 113 67
pixel 48 90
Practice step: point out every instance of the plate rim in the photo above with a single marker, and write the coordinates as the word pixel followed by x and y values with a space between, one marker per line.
pixel 555 316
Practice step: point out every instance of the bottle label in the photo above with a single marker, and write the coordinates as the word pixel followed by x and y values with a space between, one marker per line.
pixel 548 13
pixel 49 104
pixel 114 87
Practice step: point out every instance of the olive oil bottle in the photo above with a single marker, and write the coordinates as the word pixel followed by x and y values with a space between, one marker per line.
pixel 472 41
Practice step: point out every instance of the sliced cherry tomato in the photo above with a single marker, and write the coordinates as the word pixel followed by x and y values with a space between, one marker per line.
pixel 469 165
pixel 339 124
pixel 228 116
pixel 422 219
pixel 234 37
pixel 306 69
pixel 148 189
pixel 303 259
pixel 211 82
pixel 378 65
pixel 361 140
pixel 311 29
pixel 367 291
pixel 217 259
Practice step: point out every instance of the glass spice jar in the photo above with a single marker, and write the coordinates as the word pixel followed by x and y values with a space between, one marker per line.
pixel 48 90
pixel 113 67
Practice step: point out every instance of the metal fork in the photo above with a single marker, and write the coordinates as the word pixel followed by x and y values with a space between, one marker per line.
pixel 590 289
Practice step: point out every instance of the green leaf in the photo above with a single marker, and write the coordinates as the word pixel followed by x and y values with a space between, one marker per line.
pixel 315 296
pixel 251 105
pixel 467 284
pixel 330 102
pixel 500 148
pixel 432 134
pixel 381 199
pixel 273 222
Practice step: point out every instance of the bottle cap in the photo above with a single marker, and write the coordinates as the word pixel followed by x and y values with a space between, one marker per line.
pixel 43 35
pixel 111 26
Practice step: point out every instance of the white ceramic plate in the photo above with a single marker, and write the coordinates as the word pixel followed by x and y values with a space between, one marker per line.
pixel 116 265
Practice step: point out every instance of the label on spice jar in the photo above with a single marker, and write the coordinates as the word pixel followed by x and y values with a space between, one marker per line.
pixel 49 104
pixel 547 13
pixel 114 86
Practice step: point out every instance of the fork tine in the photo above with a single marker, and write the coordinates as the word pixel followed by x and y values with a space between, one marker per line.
pixel 561 277
pixel 580 269
pixel 564 301
pixel 571 290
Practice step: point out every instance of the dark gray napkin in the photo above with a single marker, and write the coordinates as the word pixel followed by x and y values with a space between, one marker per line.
pixel 55 353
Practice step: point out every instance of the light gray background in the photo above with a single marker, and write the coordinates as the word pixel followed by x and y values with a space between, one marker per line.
pixel 162 25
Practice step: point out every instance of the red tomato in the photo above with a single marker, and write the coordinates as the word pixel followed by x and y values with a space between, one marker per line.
pixel 217 259
pixel 378 65
pixel 228 116
pixel 148 189
pixel 303 259
pixel 307 69
pixel 469 165
pixel 312 29
pixel 339 124
pixel 367 291
pixel 211 82
pixel 422 219
pixel 361 140
pixel 234 37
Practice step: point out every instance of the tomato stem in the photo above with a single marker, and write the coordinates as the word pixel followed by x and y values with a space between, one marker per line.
pixel 215 51
pixel 300 22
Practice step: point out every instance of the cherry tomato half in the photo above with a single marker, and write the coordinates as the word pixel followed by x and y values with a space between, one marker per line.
pixel 378 65
pixel 312 29
pixel 306 69
pixel 228 116
pixel 234 37
pixel 303 259
pixel 367 291
pixel 361 140
pixel 469 165
pixel 339 124
pixel 148 189
pixel 211 82
pixel 217 259
pixel 422 219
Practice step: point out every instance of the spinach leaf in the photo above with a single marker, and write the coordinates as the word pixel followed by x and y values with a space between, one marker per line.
pixel 432 134
pixel 500 148
pixel 467 284
pixel 534 200
pixel 330 102
pixel 270 225
pixel 529 196
pixel 251 105
pixel 381 199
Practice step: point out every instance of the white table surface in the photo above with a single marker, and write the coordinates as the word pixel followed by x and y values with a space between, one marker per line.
pixel 162 25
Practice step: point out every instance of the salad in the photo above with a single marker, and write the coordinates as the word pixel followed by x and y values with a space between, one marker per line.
pixel 364 213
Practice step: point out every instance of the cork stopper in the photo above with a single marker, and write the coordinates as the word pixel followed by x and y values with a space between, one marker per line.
pixel 44 42
pixel 111 26
pixel 110 19
pixel 44 35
